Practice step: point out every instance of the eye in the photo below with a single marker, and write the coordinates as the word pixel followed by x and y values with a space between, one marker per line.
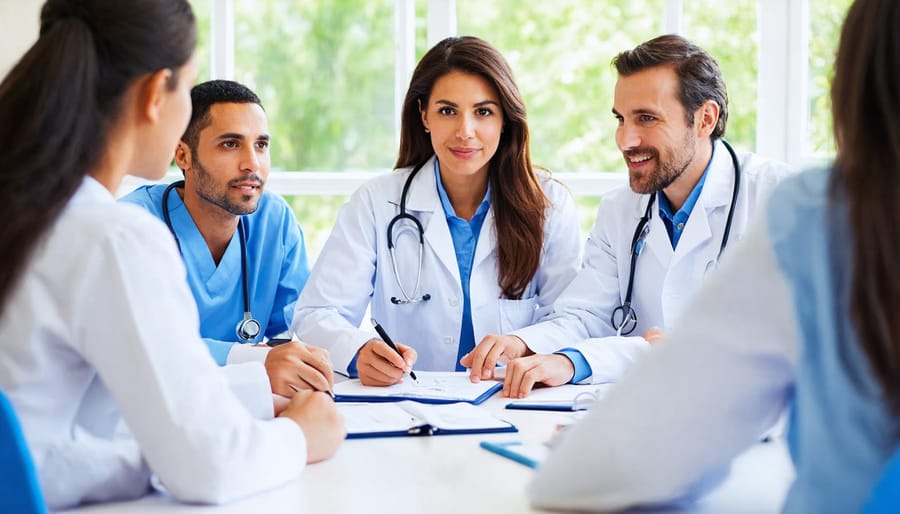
pixel 446 111
pixel 262 145
pixel 484 111
pixel 619 118
pixel 646 118
pixel 229 144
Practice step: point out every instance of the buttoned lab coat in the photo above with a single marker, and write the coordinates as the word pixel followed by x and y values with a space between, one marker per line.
pixel 355 269
pixel 664 279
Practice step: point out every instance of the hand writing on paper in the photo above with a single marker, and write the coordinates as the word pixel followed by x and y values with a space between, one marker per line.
pixel 379 365
pixel 654 335
pixel 491 350
pixel 322 424
pixel 301 365
pixel 523 373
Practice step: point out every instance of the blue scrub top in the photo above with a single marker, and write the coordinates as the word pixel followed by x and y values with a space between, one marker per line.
pixel 277 266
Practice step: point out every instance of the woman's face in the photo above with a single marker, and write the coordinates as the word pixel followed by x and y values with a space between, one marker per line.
pixel 465 120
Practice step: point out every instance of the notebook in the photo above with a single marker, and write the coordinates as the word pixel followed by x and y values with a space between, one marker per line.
pixel 568 398
pixel 432 387
pixel 409 418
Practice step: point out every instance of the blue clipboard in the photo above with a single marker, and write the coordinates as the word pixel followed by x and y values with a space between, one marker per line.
pixel 429 430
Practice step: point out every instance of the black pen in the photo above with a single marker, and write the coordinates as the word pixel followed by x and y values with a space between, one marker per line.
pixel 390 343
pixel 278 341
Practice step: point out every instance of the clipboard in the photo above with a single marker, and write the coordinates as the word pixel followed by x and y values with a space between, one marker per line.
pixel 432 387
pixel 409 418
pixel 529 454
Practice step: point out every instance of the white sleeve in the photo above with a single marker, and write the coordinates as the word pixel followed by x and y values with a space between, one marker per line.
pixel 692 404
pixel 341 284
pixel 138 327
pixel 610 357
pixel 580 310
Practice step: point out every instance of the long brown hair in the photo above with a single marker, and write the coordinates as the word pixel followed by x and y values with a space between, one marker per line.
pixel 866 113
pixel 58 102
pixel 518 201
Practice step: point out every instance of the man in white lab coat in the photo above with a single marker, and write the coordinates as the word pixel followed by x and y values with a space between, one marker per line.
pixel 654 242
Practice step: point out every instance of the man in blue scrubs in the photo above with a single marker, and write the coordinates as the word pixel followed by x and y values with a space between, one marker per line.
pixel 224 154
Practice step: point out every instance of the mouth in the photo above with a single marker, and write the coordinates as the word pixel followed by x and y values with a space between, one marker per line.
pixel 247 187
pixel 636 159
pixel 464 153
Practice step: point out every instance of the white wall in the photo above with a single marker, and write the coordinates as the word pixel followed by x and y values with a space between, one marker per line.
pixel 19 26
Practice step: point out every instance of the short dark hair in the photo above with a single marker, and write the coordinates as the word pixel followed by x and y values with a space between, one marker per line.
pixel 699 76
pixel 204 96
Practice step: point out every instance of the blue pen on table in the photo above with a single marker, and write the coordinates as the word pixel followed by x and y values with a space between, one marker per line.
pixel 387 339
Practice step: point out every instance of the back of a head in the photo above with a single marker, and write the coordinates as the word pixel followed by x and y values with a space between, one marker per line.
pixel 699 76
pixel 59 102
pixel 467 54
pixel 866 111
pixel 207 94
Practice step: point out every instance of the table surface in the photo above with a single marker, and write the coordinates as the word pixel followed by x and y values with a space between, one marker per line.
pixel 442 474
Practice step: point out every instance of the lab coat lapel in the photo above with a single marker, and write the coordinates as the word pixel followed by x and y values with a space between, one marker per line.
pixel 716 194
pixel 657 245
pixel 487 239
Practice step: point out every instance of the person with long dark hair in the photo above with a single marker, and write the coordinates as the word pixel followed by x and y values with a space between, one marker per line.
pixel 483 242
pixel 804 315
pixel 97 324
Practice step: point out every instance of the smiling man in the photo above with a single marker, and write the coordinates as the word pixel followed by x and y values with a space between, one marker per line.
pixel 242 246
pixel 654 242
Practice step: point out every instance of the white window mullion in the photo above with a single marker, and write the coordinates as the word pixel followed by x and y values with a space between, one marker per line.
pixel 673 17
pixel 441 20
pixel 783 98
pixel 221 48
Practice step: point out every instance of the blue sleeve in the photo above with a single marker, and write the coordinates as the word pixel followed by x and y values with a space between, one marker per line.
pixel 294 273
pixel 582 368
pixel 352 372
pixel 219 349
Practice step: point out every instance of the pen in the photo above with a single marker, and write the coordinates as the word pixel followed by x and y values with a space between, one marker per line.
pixel 297 390
pixel 387 339
pixel 278 341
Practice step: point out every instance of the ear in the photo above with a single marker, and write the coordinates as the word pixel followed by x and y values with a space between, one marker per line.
pixel 424 115
pixel 153 94
pixel 706 117
pixel 183 156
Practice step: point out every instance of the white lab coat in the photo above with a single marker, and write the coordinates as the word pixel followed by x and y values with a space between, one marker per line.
pixel 354 270
pixel 101 327
pixel 664 280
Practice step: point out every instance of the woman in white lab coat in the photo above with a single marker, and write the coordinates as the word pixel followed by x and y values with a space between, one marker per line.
pixel 486 214
pixel 97 323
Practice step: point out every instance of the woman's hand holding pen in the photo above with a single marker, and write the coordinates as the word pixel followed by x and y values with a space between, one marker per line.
pixel 299 365
pixel 379 365
pixel 322 424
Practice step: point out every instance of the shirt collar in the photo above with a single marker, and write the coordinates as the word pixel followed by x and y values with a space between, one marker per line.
pixel 449 211
pixel 665 208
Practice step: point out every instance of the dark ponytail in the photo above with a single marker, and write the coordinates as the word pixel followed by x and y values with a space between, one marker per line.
pixel 59 101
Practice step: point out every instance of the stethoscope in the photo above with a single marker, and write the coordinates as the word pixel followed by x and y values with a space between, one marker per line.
pixel 248 328
pixel 623 318
pixel 407 297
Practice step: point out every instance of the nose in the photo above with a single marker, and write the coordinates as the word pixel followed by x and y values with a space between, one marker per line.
pixel 465 129
pixel 250 159
pixel 627 136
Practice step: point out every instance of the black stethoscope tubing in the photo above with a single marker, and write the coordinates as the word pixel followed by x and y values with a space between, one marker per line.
pixel 629 317
pixel 403 215
pixel 248 328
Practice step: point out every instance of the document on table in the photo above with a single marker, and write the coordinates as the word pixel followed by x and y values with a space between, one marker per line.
pixel 413 418
pixel 569 397
pixel 432 387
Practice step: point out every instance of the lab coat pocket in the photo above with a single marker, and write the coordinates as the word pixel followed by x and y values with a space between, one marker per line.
pixel 515 314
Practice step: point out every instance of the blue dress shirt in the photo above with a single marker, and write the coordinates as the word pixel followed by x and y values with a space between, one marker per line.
pixel 676 222
pixel 465 236
pixel 277 266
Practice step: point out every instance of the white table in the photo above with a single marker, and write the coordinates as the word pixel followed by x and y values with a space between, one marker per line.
pixel 444 474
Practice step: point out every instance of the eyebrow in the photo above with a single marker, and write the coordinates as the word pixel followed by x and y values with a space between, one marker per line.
pixel 482 103
pixel 240 137
pixel 637 111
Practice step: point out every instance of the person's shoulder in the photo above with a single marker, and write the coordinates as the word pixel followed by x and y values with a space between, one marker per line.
pixel 145 195
pixel 119 223
pixel 807 188
pixel 619 196
pixel 758 167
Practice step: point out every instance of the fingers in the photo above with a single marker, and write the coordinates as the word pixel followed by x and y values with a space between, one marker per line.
pixel 408 354
pixel 522 374
pixel 381 349
pixel 378 364
pixel 654 335
pixel 475 359
pixel 491 350
pixel 298 365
